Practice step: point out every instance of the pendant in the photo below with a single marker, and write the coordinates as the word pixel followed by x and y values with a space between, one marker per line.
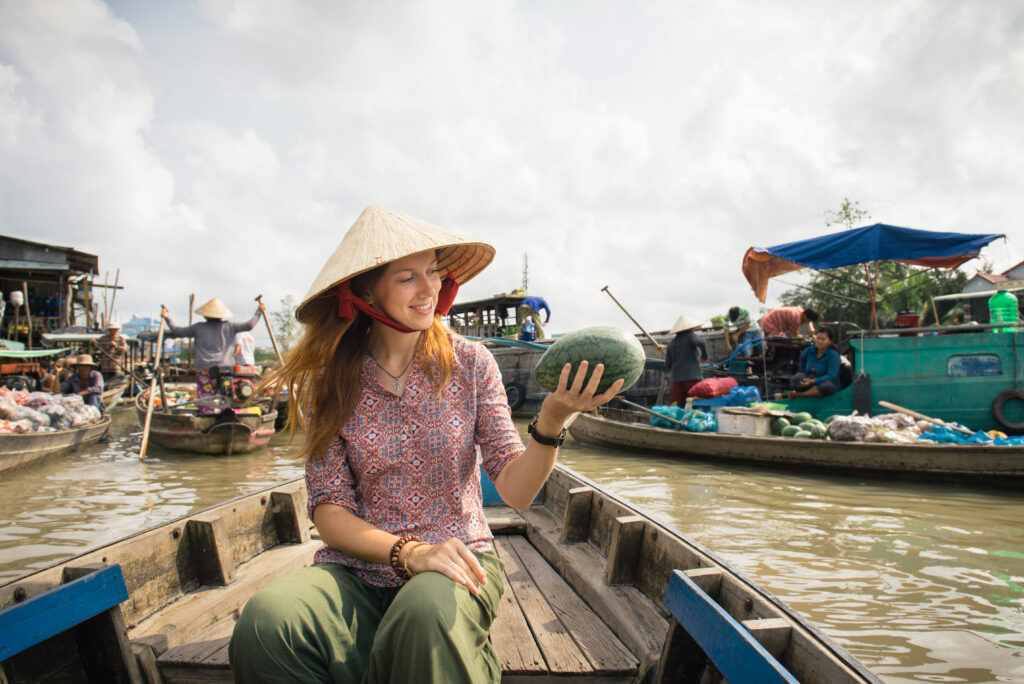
pixel 395 385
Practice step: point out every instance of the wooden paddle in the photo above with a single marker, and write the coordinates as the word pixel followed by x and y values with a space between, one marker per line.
pixel 657 345
pixel 921 416
pixel 273 341
pixel 152 387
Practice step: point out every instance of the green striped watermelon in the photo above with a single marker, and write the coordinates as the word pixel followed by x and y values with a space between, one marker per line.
pixel 621 353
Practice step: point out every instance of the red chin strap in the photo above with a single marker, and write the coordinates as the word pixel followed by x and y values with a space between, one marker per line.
pixel 348 302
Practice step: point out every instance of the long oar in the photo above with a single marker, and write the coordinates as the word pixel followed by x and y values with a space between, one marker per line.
pixel 273 341
pixel 921 416
pixel 152 387
pixel 657 345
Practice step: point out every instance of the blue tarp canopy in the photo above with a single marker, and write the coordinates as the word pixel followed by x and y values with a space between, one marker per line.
pixel 879 242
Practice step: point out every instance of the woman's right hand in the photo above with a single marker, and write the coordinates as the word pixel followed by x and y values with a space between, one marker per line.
pixel 452 559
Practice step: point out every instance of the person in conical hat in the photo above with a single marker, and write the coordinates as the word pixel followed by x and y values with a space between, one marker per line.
pixel 85 381
pixel 214 346
pixel 112 348
pixel 682 358
pixel 397 408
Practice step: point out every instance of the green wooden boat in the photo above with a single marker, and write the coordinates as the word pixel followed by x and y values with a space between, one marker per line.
pixel 966 374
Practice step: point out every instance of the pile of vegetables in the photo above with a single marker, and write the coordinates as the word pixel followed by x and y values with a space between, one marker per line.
pixel 22 412
pixel 800 425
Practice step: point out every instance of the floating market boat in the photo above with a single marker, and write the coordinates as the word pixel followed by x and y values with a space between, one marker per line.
pixel 183 428
pixel 112 395
pixel 593 591
pixel 17 450
pixel 625 429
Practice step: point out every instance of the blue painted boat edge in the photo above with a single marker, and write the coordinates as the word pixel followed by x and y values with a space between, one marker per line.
pixel 733 650
pixel 34 620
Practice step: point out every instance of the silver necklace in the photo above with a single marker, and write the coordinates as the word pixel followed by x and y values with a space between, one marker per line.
pixel 396 384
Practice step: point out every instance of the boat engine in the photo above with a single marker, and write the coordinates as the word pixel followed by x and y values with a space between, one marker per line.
pixel 243 382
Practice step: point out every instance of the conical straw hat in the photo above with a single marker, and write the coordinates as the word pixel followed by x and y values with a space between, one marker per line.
pixel 380 236
pixel 83 360
pixel 214 309
pixel 684 323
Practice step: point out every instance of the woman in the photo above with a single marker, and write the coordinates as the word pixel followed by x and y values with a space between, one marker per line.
pixel 408 584
pixel 819 368
pixel 214 344
pixel 682 358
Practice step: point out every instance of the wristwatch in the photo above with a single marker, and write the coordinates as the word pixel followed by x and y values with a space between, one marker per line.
pixel 544 439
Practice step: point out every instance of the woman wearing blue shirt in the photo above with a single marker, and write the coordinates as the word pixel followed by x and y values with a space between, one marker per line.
pixel 819 368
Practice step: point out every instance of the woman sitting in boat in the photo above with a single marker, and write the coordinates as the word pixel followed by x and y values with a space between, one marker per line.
pixel 85 381
pixel 399 408
pixel 214 344
pixel 819 368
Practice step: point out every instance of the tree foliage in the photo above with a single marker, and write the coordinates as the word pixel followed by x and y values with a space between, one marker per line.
pixel 843 294
pixel 285 325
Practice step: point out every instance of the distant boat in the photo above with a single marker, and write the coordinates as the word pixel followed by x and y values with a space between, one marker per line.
pixel 17 450
pixel 631 430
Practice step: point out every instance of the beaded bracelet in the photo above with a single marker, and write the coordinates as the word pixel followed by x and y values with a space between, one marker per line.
pixel 405 564
pixel 395 549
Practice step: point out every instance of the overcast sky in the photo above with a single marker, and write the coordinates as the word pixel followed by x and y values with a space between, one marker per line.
pixel 222 148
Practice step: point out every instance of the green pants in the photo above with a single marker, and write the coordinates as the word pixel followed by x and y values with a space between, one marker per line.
pixel 324 624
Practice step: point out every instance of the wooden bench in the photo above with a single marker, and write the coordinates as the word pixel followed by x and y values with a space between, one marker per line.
pixel 543 631
pixel 80 619
pixel 703 636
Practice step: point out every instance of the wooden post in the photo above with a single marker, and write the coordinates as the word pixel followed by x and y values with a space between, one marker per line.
pixel 152 390
pixel 28 312
pixel 106 277
pixel 624 550
pixel 113 297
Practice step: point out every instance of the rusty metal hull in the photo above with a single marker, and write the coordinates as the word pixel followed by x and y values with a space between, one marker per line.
pixel 623 430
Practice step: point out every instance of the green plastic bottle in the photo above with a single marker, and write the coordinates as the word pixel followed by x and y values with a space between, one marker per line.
pixel 1002 308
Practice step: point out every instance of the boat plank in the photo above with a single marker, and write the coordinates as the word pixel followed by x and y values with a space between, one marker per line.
pixel 597 642
pixel 560 651
pixel 513 641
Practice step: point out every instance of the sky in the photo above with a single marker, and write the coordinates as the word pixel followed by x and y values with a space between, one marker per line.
pixel 223 148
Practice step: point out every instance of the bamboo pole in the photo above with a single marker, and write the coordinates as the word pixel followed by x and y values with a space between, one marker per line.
pixel 658 345
pixel 273 341
pixel 106 277
pixel 113 297
pixel 28 313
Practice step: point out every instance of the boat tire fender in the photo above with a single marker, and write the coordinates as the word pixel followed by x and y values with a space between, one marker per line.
pixel 516 394
pixel 999 414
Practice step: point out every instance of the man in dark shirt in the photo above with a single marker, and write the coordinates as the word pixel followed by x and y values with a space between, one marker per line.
pixel 683 356
pixel 86 382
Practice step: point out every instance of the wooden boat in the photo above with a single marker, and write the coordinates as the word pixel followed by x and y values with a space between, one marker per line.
pixel 182 428
pixel 112 395
pixel 17 450
pixel 632 430
pixel 593 591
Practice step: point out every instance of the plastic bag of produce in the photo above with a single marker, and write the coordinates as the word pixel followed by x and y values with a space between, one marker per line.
pixel 60 419
pixel 84 415
pixel 35 418
pixel 7 406
pixel 37 399
pixel 19 396
pixel 851 429
pixel 72 401
pixel 20 426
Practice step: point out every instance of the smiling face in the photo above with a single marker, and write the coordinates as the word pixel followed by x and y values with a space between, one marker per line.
pixel 407 291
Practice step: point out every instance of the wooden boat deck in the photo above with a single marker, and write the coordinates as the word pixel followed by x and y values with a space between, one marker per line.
pixel 543 630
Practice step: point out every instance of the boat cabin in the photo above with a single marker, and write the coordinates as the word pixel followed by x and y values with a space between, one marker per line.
pixel 491 317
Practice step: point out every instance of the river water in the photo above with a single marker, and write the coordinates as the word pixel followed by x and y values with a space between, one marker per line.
pixel 922 582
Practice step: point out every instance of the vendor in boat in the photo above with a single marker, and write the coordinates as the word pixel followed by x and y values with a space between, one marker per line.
pixel 531 308
pixel 85 381
pixel 113 347
pixel 742 328
pixel 789 320
pixel 682 358
pixel 53 379
pixel 819 368
pixel 400 407
pixel 214 345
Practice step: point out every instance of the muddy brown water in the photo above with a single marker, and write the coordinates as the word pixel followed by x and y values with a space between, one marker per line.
pixel 922 582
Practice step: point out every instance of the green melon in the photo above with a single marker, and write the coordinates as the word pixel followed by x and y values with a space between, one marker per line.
pixel 778 424
pixel 803 434
pixel 621 353
pixel 816 429
pixel 800 417
pixel 789 430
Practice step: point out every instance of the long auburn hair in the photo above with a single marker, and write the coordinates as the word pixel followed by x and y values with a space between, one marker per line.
pixel 322 371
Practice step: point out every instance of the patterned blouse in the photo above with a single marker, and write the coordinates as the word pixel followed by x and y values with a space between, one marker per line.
pixel 409 464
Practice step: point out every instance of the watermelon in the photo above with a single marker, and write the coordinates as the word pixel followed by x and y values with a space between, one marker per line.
pixel 778 424
pixel 621 353
pixel 816 428
pixel 790 430
pixel 803 434
pixel 800 418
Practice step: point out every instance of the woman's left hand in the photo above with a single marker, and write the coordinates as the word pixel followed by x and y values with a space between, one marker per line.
pixel 565 400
